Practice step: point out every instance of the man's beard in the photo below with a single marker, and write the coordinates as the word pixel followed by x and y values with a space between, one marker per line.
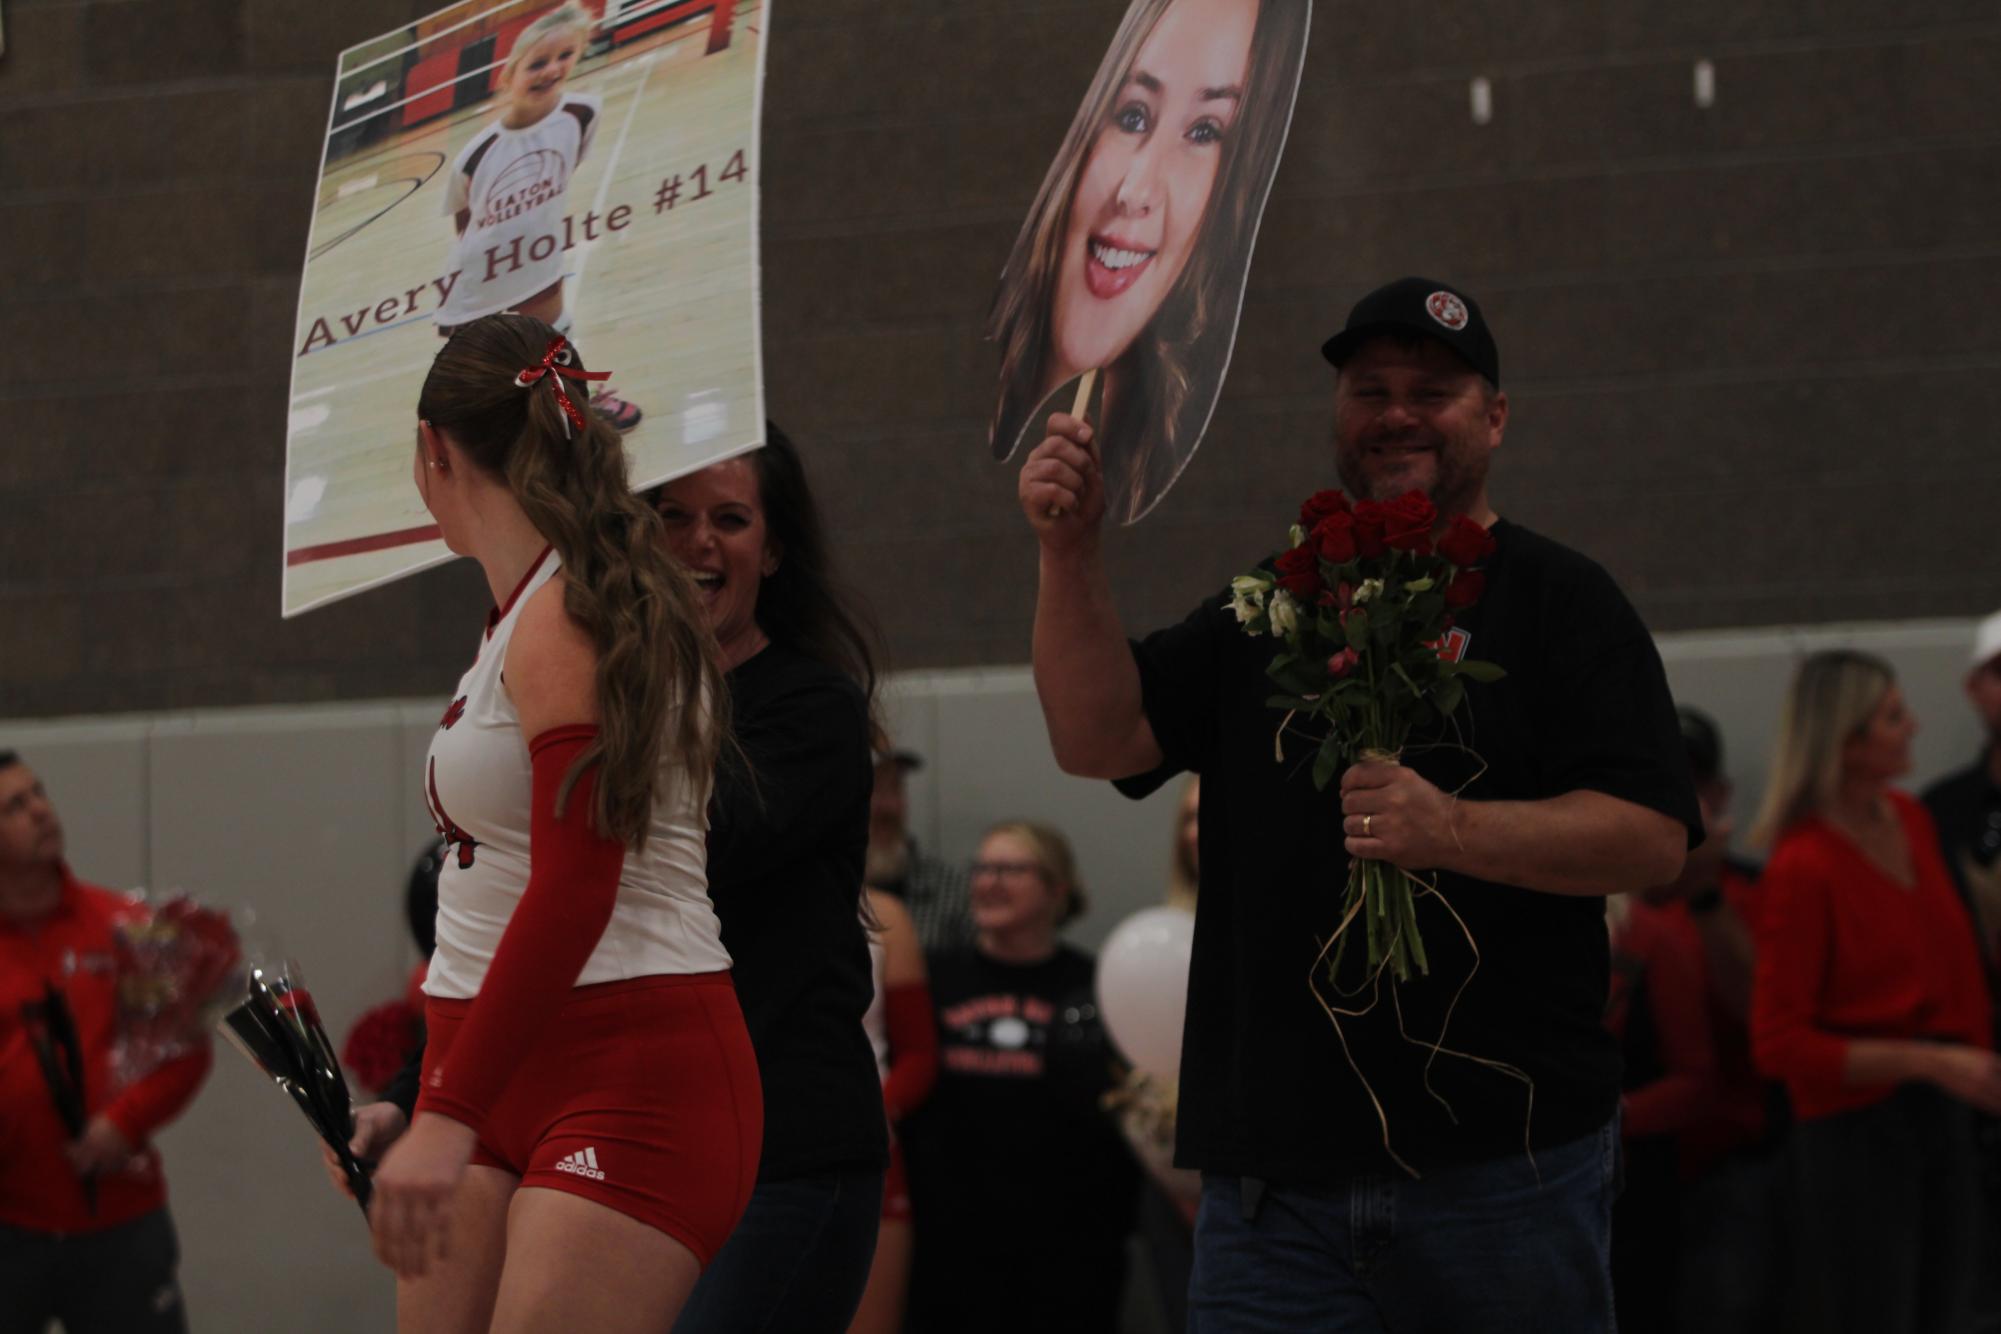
pixel 1456 478
pixel 887 861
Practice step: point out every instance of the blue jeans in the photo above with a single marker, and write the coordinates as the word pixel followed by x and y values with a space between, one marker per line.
pixel 1475 1247
pixel 797 1261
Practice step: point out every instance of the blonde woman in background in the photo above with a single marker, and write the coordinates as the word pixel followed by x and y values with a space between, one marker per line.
pixel 1869 1002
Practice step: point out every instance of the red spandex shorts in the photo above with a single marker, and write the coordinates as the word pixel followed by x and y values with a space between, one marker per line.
pixel 643 1098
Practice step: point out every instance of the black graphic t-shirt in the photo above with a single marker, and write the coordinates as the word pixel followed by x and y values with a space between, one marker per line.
pixel 1022 1188
pixel 1266 1087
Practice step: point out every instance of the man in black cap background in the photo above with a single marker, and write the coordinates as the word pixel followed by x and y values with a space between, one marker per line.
pixel 1491 1077
pixel 937 893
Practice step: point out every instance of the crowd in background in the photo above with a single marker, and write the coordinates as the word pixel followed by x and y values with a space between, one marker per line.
pixel 1811 1090
pixel 1015 1192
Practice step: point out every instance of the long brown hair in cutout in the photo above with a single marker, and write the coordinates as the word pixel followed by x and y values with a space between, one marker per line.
pixel 658 683
pixel 1167 387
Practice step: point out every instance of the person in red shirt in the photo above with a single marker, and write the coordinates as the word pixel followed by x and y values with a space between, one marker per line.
pixel 1869 1001
pixel 85 1237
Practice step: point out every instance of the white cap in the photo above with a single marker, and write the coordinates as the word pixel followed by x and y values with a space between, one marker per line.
pixel 1987 640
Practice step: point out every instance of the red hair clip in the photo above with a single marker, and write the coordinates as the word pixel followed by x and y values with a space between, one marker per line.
pixel 556 367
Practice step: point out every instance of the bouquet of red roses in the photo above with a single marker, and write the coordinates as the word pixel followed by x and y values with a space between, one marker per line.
pixel 179 967
pixel 1362 607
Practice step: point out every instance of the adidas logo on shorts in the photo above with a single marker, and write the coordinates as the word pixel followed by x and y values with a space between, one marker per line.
pixel 583 1164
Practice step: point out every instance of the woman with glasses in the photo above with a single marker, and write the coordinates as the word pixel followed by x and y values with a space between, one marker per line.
pixel 1024 1184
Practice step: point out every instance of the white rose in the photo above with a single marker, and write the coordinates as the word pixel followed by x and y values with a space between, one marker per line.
pixel 1284 611
pixel 1247 596
pixel 1369 588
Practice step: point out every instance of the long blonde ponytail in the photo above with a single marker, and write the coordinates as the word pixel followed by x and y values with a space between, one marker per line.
pixel 660 691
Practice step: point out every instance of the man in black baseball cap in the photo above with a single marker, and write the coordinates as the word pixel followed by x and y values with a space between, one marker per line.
pixel 1562 783
pixel 1418 403
pixel 1422 308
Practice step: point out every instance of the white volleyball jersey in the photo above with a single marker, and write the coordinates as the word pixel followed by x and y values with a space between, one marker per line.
pixel 513 184
pixel 478 785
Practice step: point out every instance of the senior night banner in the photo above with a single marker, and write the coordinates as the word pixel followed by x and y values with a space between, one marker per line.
pixel 1132 263
pixel 592 163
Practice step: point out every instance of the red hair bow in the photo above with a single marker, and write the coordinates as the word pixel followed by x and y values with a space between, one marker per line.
pixel 555 367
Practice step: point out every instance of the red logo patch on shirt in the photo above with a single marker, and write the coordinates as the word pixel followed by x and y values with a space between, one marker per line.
pixel 1452 647
pixel 453 713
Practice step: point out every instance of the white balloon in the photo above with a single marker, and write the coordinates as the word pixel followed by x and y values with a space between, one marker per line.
pixel 1143 986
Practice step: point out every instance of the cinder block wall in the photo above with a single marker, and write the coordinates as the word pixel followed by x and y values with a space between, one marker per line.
pixel 1749 346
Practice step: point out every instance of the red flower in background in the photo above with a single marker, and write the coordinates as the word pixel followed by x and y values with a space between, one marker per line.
pixel 1465 542
pixel 1321 505
pixel 1299 572
pixel 380 1042
pixel 1343 662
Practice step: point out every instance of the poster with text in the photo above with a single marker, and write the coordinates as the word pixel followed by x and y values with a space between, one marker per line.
pixel 591 163
pixel 1133 260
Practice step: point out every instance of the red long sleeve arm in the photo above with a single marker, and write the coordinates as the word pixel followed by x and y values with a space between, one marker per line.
pixel 1674 981
pixel 571 891
pixel 150 1103
pixel 913 1047
pixel 1794 937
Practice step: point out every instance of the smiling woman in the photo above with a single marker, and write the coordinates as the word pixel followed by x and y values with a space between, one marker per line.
pixel 1135 253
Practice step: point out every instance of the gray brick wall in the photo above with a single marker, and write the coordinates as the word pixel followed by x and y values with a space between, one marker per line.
pixel 1751 348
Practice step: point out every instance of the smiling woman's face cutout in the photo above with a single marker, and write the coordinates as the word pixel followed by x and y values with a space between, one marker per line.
pixel 1137 211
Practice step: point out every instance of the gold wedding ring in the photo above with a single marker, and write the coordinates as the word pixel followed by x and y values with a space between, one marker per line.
pixel 1365 825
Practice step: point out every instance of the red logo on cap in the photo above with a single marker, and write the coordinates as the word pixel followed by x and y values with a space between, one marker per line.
pixel 1447 309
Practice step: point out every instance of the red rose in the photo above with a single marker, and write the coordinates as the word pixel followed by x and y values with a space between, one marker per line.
pixel 1299 572
pixel 1335 537
pixel 1407 522
pixel 1320 505
pixel 1465 588
pixel 1369 521
pixel 1465 542
pixel 1343 662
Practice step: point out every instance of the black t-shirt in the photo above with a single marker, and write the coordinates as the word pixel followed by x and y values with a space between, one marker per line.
pixel 785 873
pixel 1266 1090
pixel 1022 1188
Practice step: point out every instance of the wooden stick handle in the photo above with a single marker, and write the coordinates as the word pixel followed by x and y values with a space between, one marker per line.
pixel 1077 410
pixel 1084 388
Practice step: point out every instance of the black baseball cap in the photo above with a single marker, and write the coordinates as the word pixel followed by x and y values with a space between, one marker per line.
pixel 1427 308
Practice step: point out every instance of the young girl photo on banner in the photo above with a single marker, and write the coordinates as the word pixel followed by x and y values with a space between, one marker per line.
pixel 587 162
pixel 1130 269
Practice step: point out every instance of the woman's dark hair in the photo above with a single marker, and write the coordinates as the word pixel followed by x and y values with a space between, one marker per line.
pixel 420 898
pixel 804 604
pixel 660 697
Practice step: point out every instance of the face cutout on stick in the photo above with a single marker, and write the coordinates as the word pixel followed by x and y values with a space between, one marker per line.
pixel 1133 259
